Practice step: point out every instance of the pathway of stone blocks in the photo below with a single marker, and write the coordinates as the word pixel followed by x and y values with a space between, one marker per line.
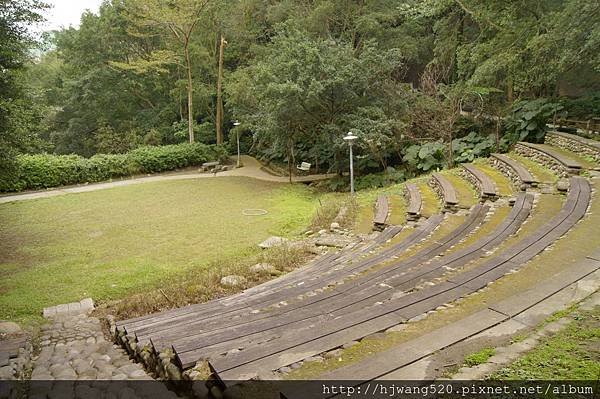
pixel 73 347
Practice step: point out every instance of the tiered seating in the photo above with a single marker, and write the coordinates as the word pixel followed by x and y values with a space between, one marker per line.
pixel 382 210
pixel 415 202
pixel 446 190
pixel 486 186
pixel 514 170
pixel 575 143
pixel 567 165
pixel 348 295
pixel 383 365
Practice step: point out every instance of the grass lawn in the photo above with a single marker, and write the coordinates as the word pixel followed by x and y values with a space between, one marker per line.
pixel 570 354
pixel 112 243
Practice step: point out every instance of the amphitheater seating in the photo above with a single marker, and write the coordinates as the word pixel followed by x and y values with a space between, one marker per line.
pixel 415 201
pixel 374 285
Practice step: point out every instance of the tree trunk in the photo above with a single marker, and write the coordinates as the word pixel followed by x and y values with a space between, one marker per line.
pixel 509 90
pixel 290 160
pixel 498 134
pixel 219 119
pixel 450 153
pixel 190 92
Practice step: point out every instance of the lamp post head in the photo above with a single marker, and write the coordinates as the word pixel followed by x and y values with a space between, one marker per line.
pixel 350 137
pixel 236 123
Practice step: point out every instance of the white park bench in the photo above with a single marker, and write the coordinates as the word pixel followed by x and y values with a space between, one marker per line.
pixel 304 166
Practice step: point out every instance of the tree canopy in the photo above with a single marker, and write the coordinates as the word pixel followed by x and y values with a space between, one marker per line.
pixel 297 74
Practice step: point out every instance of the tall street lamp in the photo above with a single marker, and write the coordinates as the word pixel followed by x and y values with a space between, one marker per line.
pixel 350 137
pixel 237 132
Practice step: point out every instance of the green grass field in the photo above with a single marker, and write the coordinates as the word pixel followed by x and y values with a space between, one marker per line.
pixel 112 243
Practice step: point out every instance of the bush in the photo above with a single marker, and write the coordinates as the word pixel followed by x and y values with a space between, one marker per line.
pixel 472 146
pixel 527 121
pixel 426 157
pixel 47 170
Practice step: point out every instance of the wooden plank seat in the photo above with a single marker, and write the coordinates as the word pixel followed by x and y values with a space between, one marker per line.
pixel 516 168
pixel 415 201
pixel 312 282
pixel 440 246
pixel 382 210
pixel 487 188
pixel 326 335
pixel 446 190
pixel 571 166
pixel 573 137
pixel 285 286
pixel 387 365
pixel 248 330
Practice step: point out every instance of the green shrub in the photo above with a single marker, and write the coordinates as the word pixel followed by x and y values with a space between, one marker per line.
pixel 426 157
pixel 527 121
pixel 47 170
pixel 472 146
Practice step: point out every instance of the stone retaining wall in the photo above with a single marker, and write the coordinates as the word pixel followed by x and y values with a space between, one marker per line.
pixel 543 159
pixel 433 183
pixel 573 145
pixel 508 172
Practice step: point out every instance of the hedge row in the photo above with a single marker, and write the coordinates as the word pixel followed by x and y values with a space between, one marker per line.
pixel 46 170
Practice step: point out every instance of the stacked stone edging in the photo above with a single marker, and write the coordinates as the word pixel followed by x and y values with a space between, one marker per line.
pixel 509 172
pixel 542 158
pixel 572 144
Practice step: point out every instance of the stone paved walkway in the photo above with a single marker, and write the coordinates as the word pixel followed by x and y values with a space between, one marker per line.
pixel 252 168
pixel 73 347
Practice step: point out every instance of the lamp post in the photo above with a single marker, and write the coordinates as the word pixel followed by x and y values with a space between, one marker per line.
pixel 237 132
pixel 350 137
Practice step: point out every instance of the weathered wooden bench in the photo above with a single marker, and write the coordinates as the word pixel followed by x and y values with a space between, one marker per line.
pixel 356 295
pixel 511 168
pixel 383 364
pixel 382 210
pixel 145 329
pixel 487 188
pixel 446 191
pixel 415 201
pixel 568 165
pixel 575 143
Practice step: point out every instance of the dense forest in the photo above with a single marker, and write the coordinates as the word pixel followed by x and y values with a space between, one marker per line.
pixel 422 83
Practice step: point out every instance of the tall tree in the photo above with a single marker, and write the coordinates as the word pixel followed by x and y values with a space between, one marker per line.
pixel 177 19
pixel 15 108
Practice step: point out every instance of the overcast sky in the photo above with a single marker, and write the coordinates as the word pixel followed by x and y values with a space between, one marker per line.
pixel 66 12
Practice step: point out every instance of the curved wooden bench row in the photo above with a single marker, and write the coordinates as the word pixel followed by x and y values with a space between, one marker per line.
pixel 301 343
pixel 326 269
pixel 447 191
pixel 343 298
pixel 415 201
pixel 382 210
pixel 176 329
pixel 486 186
pixel 515 167
pixel 323 262
pixel 582 140
pixel 570 165
pixel 338 298
pixel 575 143
pixel 384 364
